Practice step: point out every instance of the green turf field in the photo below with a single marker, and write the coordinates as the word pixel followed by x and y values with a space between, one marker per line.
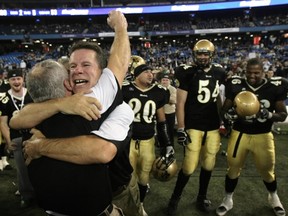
pixel 250 197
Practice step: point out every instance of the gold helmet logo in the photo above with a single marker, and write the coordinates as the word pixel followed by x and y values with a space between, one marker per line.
pixel 135 61
pixel 246 104
pixel 164 170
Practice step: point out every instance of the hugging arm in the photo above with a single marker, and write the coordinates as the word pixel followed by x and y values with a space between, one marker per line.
pixel 77 104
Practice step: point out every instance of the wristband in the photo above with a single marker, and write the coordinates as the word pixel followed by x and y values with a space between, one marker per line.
pixel 270 115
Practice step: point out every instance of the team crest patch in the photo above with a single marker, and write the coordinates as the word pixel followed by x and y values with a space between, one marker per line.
pixel 177 83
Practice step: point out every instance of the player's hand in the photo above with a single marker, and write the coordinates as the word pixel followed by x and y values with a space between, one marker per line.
pixel 11 146
pixel 31 147
pixel 182 137
pixel 116 20
pixel 264 114
pixel 231 115
pixel 169 152
pixel 79 104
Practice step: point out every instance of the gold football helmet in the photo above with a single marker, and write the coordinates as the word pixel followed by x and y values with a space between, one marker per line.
pixel 246 104
pixel 135 61
pixel 164 169
pixel 206 47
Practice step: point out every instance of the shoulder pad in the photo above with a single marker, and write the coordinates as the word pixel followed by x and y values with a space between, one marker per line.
pixel 236 80
pixel 125 83
pixel 2 94
pixel 276 78
pixel 236 76
pixel 217 65
pixel 277 81
pixel 183 68
pixel 161 87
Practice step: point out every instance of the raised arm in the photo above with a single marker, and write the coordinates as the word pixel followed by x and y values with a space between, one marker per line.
pixel 120 51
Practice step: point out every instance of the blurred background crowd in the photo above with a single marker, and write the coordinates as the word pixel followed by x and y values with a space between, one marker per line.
pixel 160 43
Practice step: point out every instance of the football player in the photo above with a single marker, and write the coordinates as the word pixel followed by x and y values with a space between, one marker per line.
pixel 147 101
pixel 253 133
pixel 197 107
pixel 10 103
pixel 4 164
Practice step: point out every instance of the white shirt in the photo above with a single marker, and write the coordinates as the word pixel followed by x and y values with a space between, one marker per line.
pixel 117 124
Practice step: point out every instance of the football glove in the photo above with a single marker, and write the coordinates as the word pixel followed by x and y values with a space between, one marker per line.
pixel 264 114
pixel 231 115
pixel 182 137
pixel 169 151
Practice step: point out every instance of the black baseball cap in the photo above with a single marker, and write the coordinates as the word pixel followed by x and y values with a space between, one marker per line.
pixel 138 70
pixel 14 73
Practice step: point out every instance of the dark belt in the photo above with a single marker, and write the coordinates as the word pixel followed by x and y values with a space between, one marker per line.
pixel 121 188
pixel 107 211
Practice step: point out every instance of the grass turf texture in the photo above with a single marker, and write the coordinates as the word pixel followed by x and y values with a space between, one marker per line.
pixel 250 197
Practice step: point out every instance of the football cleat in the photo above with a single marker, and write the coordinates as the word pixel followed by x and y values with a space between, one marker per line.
pixel 275 203
pixel 203 204
pixel 172 206
pixel 225 206
pixel 143 210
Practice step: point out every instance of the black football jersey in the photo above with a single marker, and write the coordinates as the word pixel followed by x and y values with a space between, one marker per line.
pixel 144 103
pixel 4 85
pixel 201 110
pixel 270 91
pixel 9 105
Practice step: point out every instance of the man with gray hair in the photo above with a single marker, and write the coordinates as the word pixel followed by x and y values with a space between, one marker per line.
pixel 82 149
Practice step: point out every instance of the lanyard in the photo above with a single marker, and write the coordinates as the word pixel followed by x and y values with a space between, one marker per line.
pixel 14 98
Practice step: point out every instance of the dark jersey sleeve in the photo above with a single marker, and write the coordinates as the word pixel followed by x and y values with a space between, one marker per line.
pixel 164 96
pixel 181 74
pixel 4 100
pixel 283 91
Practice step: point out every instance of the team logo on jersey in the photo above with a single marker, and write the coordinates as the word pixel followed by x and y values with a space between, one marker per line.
pixel 177 83
pixel 276 82
pixel 15 112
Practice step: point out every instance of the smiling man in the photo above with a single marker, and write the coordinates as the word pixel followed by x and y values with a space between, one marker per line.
pixel 10 103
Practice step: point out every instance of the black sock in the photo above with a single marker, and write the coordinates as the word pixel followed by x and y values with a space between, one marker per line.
pixel 230 184
pixel 204 180
pixel 272 186
pixel 180 184
pixel 143 190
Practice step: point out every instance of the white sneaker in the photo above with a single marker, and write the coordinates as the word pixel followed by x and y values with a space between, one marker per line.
pixel 148 188
pixel 143 210
pixel 1 165
pixel 17 193
pixel 275 203
pixel 226 205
